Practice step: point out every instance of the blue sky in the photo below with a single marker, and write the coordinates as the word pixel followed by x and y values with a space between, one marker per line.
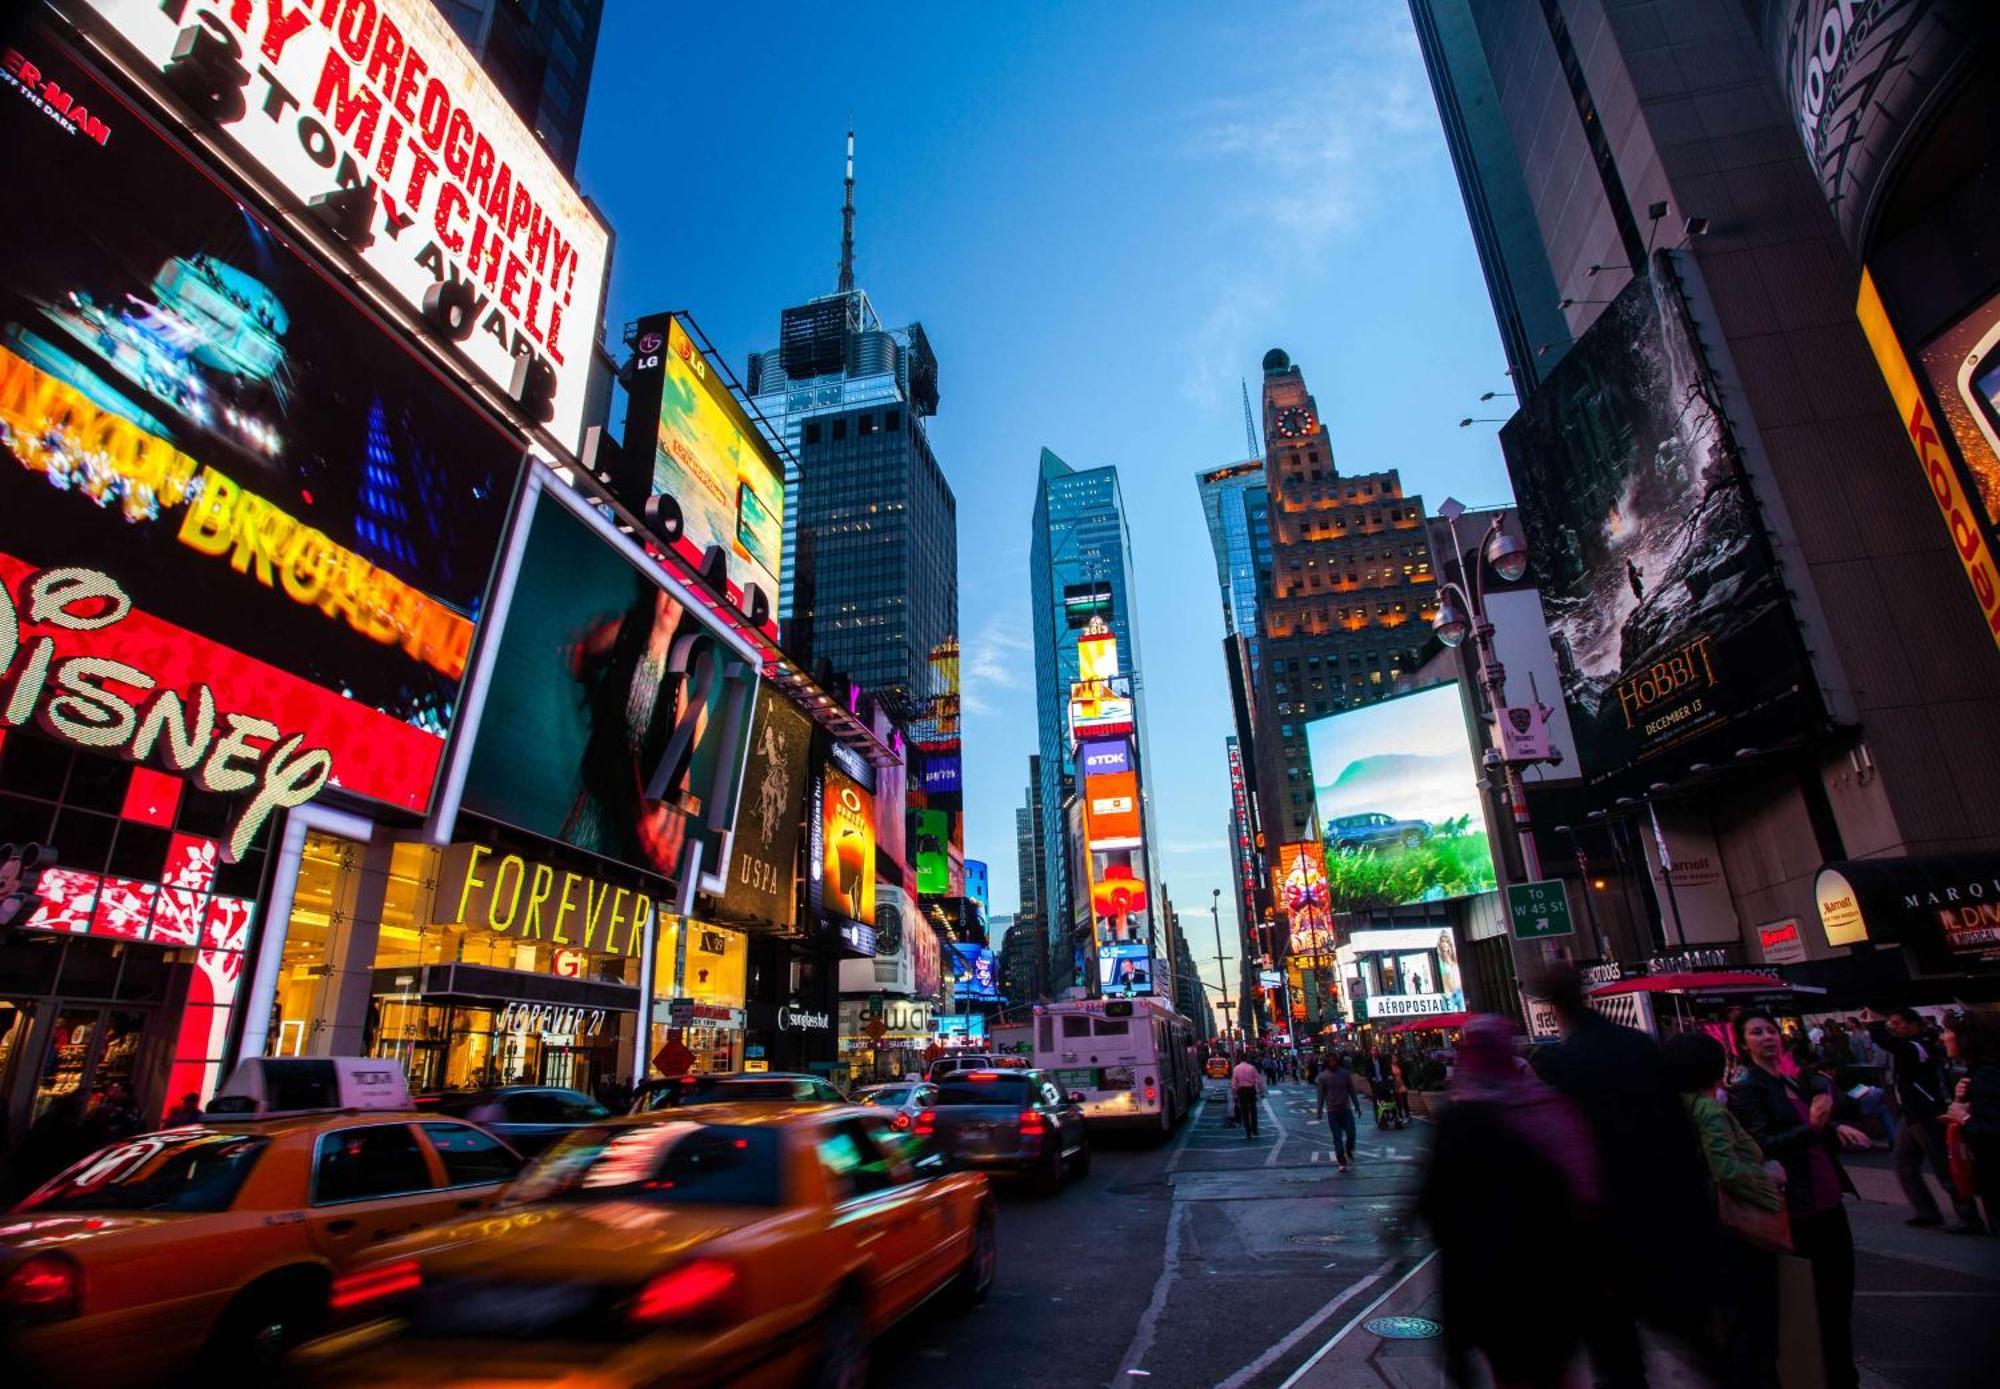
pixel 1103 214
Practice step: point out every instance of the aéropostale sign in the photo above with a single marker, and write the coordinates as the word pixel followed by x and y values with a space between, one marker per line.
pixel 370 119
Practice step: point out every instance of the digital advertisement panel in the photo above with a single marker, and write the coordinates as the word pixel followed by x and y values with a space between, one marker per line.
pixel 1118 895
pixel 1097 654
pixel 1124 970
pixel 1112 810
pixel 613 709
pixel 1100 709
pixel 847 839
pixel 725 483
pixel 433 189
pixel 1669 620
pixel 1962 366
pixel 972 973
pixel 763 869
pixel 1305 896
pixel 1398 799
pixel 931 844
pixel 195 412
pixel 1405 972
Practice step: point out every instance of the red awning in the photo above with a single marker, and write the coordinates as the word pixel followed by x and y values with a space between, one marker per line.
pixel 1436 1022
pixel 1694 982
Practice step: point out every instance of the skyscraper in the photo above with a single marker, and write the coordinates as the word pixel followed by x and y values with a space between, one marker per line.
pixel 1351 592
pixel 870 579
pixel 539 56
pixel 1030 851
pixel 1080 568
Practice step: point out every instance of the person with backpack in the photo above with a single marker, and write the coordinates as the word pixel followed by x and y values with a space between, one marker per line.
pixel 1916 1077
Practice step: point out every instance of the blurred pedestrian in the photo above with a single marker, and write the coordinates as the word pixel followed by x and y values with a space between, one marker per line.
pixel 1339 1100
pixel 1751 1206
pixel 1248 1083
pixel 1917 1080
pixel 1657 1240
pixel 1795 1122
pixel 56 1140
pixel 1510 1195
pixel 1973 1041
pixel 1399 1087
pixel 1375 1070
pixel 188 1111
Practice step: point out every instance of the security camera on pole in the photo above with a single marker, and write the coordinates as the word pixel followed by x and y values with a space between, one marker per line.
pixel 1520 734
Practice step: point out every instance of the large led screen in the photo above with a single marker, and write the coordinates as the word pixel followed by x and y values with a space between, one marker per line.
pixel 608 719
pixel 1124 969
pixel 1306 896
pixel 931 844
pixel 1962 365
pixel 972 973
pixel 763 867
pixel 707 456
pixel 847 849
pixel 191 409
pixel 1672 634
pixel 1398 799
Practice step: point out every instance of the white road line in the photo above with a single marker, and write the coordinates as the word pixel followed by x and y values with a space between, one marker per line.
pixel 1303 1330
pixel 1354 1321
pixel 1271 1159
pixel 1149 1320
pixel 1187 1132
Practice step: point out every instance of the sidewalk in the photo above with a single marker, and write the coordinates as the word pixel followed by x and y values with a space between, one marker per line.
pixel 1926 1311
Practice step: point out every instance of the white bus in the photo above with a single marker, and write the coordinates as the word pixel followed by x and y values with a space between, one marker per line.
pixel 1131 1059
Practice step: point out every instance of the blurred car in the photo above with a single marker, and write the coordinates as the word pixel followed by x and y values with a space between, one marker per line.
pixel 735 1087
pixel 212 1247
pixel 738 1244
pixel 907 1099
pixel 1017 1122
pixel 529 1117
pixel 1217 1068
pixel 1375 830
pixel 973 1061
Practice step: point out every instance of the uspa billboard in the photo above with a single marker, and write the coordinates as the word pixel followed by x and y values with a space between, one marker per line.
pixel 763 870
pixel 402 161
pixel 711 475
pixel 1672 633
pixel 1398 800
pixel 616 718
pixel 193 411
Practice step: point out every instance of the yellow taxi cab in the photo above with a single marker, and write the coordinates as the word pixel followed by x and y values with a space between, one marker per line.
pixel 213 1245
pixel 1218 1068
pixel 738 1244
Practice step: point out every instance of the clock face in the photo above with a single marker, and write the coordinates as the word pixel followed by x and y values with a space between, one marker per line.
pixel 1295 421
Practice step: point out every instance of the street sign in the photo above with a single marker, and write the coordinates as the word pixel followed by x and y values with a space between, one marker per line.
pixel 1539 911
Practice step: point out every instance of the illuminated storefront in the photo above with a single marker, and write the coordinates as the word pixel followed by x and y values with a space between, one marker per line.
pixel 708 1014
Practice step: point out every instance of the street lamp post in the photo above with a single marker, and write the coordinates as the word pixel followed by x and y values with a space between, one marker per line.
pixel 1509 558
pixel 1221 969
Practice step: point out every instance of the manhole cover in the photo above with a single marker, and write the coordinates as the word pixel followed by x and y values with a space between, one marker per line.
pixel 1402 1328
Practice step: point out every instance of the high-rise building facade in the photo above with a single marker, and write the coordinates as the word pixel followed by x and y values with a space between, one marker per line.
pixel 1079 569
pixel 539 53
pixel 1782 212
pixel 1350 597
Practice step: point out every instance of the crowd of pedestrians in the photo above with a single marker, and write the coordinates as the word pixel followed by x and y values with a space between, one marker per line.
pixel 1612 1184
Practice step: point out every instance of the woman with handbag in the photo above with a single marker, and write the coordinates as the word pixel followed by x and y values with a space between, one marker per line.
pixel 1750 1206
pixel 1793 1121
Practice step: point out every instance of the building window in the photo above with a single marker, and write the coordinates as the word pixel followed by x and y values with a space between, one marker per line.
pixel 812 431
pixel 892 419
pixel 839 430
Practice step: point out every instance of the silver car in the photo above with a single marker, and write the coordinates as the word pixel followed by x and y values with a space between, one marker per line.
pixel 1375 830
pixel 908 1098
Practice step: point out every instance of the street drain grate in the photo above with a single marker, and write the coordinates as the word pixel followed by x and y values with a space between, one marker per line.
pixel 1402 1328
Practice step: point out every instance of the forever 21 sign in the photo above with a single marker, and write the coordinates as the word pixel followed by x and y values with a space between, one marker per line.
pixel 370 118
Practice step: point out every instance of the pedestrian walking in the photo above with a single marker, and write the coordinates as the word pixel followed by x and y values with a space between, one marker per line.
pixel 1510 1195
pixel 1656 1243
pixel 1376 1070
pixel 1917 1081
pixel 1339 1100
pixel 1750 1204
pixel 1248 1082
pixel 1973 1041
pixel 1796 1122
pixel 1399 1087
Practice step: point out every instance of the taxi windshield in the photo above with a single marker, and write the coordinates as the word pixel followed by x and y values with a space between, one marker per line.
pixel 195 1170
pixel 671 1163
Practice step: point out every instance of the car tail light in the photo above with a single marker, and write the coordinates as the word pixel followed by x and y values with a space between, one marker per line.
pixel 1031 1124
pixel 695 1290
pixel 901 1121
pixel 926 1123
pixel 367 1285
pixel 46 1288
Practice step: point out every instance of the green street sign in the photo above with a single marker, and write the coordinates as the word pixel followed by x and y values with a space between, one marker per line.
pixel 1539 911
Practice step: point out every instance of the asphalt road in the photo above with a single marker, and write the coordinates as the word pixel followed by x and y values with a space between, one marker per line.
pixel 1206 1261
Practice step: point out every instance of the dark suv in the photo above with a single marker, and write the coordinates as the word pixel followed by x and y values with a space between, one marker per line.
pixel 1017 1122
pixel 1375 830
pixel 735 1087
pixel 529 1117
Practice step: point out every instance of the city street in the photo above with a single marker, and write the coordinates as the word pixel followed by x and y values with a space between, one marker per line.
pixel 1211 1261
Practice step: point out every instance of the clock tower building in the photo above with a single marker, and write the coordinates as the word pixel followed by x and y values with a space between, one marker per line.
pixel 1350 594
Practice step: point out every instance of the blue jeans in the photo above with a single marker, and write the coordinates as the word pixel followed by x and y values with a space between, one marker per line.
pixel 1341 1121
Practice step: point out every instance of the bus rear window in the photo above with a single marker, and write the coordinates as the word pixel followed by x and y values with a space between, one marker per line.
pixel 1075 1025
pixel 1108 1027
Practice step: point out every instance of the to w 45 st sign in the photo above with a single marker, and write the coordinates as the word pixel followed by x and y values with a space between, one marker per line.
pixel 1539 911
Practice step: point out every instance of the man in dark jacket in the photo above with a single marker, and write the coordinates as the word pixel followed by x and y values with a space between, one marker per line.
pixel 1918 1082
pixel 1659 1225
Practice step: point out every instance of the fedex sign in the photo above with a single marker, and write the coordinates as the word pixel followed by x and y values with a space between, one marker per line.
pixel 1103 758
pixel 371 125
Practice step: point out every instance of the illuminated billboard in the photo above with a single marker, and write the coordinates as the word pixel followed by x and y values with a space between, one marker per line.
pixel 616 719
pixel 707 459
pixel 1100 709
pixel 1118 895
pixel 976 886
pixel 1124 970
pixel 1305 896
pixel 1097 654
pixel 1398 799
pixel 972 973
pixel 763 869
pixel 931 844
pixel 408 166
pixel 189 408
pixel 1404 972
pixel 1673 636
pixel 1111 810
pixel 847 849
pixel 1097 759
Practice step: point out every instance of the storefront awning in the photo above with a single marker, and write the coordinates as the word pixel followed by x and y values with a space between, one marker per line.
pixel 1944 907
pixel 1436 1022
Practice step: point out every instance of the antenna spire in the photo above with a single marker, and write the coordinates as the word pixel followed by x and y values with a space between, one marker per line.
pixel 847 222
pixel 1250 424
